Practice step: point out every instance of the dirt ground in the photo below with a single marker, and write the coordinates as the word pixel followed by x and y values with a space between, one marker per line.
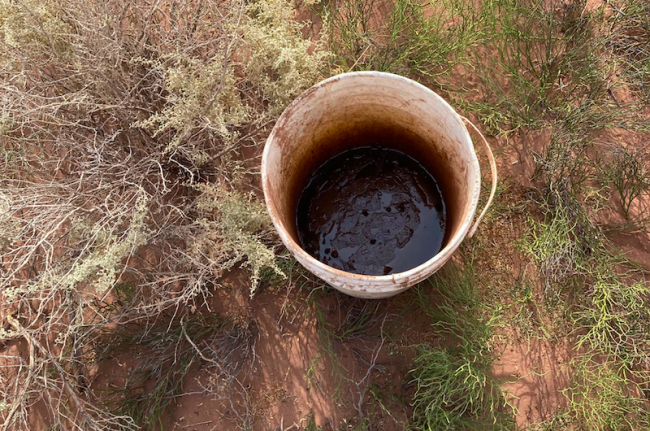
pixel 293 377
pixel 300 377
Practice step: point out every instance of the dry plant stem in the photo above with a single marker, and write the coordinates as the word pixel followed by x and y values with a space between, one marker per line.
pixel 18 400
pixel 33 342
pixel 362 385
pixel 196 348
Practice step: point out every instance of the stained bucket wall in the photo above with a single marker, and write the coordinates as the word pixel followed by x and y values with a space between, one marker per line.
pixel 355 110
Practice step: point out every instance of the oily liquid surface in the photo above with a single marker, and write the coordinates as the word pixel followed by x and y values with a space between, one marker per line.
pixel 371 211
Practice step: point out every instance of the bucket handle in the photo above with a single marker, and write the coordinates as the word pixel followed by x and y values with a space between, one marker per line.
pixel 493 168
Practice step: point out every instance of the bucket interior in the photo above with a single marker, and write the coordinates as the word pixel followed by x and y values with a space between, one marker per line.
pixel 313 131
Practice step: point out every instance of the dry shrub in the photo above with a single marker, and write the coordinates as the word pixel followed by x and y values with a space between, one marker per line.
pixel 121 125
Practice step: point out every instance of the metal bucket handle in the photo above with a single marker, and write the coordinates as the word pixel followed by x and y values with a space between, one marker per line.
pixel 493 168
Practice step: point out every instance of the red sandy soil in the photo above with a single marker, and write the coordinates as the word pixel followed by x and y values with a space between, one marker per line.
pixel 292 375
pixel 281 395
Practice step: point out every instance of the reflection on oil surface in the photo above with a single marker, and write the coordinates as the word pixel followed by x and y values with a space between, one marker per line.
pixel 371 211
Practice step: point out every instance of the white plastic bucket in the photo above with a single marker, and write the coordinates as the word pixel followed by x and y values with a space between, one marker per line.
pixel 367 106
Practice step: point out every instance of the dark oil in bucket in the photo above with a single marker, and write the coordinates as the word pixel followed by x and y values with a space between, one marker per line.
pixel 371 211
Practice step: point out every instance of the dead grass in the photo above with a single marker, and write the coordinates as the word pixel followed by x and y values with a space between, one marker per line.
pixel 122 131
